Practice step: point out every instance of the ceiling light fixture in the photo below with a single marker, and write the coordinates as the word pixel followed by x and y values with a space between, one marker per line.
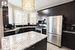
pixel 4 3
pixel 29 5
pixel 46 11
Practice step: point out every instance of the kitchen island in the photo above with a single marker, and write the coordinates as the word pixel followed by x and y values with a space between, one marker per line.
pixel 25 41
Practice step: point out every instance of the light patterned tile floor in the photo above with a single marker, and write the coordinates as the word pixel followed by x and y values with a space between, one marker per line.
pixel 53 47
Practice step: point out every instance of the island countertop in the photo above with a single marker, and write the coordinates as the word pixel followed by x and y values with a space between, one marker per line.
pixel 21 41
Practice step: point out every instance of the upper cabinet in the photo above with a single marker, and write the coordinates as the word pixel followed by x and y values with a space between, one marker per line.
pixel 15 2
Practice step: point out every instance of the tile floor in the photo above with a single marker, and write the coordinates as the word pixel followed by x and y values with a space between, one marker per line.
pixel 53 47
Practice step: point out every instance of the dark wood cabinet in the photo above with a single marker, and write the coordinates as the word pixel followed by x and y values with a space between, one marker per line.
pixel 22 30
pixel 41 45
pixel 44 31
pixel 9 33
pixel 68 40
pixel 5 15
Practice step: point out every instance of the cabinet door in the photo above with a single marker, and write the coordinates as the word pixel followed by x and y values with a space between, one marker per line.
pixel 71 41
pixel 5 15
pixel 68 40
pixel 43 31
pixel 22 30
pixel 65 39
pixel 9 33
pixel 42 45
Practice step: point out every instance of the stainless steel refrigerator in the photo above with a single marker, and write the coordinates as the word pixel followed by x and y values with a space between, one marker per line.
pixel 54 29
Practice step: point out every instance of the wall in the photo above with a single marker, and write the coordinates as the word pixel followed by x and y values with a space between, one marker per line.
pixel 67 10
pixel 1 27
pixel 0 2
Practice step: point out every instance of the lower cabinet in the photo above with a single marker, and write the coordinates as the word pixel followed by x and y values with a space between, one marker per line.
pixel 9 33
pixel 22 30
pixel 68 40
pixel 41 45
pixel 44 31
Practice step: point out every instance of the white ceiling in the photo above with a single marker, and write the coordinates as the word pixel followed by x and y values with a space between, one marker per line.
pixel 42 4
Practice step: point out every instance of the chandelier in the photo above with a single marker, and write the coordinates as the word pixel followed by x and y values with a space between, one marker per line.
pixel 29 5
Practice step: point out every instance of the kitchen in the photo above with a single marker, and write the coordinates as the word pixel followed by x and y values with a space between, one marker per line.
pixel 19 27
pixel 21 19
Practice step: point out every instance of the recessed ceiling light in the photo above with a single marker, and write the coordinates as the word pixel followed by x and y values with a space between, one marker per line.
pixel 46 11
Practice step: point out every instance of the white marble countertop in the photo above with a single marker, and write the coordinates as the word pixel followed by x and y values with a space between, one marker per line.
pixel 21 41
pixel 69 32
pixel 12 30
pixel 17 28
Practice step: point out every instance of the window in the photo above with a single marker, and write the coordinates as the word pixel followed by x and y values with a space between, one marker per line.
pixel 10 14
pixel 33 18
pixel 17 16
pixel 20 17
